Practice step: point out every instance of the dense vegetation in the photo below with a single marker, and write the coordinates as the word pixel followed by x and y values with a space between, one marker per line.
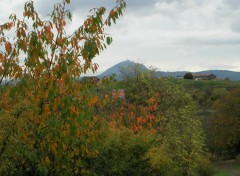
pixel 53 124
pixel 216 108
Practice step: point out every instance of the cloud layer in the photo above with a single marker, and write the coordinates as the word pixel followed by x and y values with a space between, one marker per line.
pixel 168 34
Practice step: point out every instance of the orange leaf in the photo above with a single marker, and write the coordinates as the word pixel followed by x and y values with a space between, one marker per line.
pixel 9 25
pixel 37 120
pixel 48 28
pixel 25 136
pixel 59 41
pixel 8 47
pixel 112 14
pixel 73 108
pixel 140 120
pixel 93 101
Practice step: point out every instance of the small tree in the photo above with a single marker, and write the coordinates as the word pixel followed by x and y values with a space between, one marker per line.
pixel 224 126
pixel 188 75
pixel 46 117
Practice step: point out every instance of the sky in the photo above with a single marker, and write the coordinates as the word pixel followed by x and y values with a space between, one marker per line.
pixel 171 35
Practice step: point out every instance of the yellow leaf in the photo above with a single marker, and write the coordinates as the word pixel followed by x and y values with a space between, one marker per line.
pixel 78 133
pixel 65 147
pixel 65 133
pixel 47 160
pixel 54 147
pixel 93 101
pixel 67 126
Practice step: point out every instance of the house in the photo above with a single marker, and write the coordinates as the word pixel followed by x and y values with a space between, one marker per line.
pixel 204 76
pixel 118 94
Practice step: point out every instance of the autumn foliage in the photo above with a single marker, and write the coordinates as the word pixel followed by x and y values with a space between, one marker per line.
pixel 51 123
pixel 47 121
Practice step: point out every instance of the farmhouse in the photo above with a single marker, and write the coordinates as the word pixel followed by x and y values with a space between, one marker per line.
pixel 204 76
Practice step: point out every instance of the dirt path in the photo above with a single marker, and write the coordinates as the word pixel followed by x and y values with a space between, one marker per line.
pixel 230 167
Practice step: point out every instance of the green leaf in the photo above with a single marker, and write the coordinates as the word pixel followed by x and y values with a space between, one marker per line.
pixel 109 40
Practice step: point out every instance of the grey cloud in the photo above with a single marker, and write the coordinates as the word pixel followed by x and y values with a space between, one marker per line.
pixel 130 3
pixel 45 5
pixel 235 26
pixel 234 4
pixel 223 66
pixel 141 3
pixel 206 41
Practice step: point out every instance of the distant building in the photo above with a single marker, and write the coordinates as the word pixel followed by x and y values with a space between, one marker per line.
pixel 118 94
pixel 204 76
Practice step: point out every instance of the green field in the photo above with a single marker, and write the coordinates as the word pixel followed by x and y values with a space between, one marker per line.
pixel 192 84
pixel 210 84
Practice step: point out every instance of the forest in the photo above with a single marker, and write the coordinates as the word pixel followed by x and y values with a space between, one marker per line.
pixel 52 123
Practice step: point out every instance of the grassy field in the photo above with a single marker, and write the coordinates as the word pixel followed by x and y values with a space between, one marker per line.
pixel 210 84
pixel 192 84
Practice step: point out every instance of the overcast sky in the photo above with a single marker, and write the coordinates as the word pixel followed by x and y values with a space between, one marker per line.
pixel 171 35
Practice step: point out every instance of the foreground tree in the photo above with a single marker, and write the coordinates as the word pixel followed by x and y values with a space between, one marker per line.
pixel 46 118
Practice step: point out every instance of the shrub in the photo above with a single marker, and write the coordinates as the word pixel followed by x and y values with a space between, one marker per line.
pixel 205 167
pixel 188 76
pixel 160 160
pixel 121 154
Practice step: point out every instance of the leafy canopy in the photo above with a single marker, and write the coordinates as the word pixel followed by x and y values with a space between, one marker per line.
pixel 45 113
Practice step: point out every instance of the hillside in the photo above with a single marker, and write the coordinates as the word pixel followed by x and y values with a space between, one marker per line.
pixel 116 68
pixel 222 74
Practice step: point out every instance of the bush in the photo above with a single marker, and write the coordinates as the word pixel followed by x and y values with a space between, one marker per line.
pixel 161 161
pixel 205 167
pixel 121 154
pixel 188 76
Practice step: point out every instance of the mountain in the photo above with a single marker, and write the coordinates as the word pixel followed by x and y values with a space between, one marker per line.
pixel 116 68
pixel 222 74
pixel 171 74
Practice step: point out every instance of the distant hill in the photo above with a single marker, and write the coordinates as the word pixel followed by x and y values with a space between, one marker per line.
pixel 234 76
pixel 171 74
pixel 222 74
pixel 116 69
